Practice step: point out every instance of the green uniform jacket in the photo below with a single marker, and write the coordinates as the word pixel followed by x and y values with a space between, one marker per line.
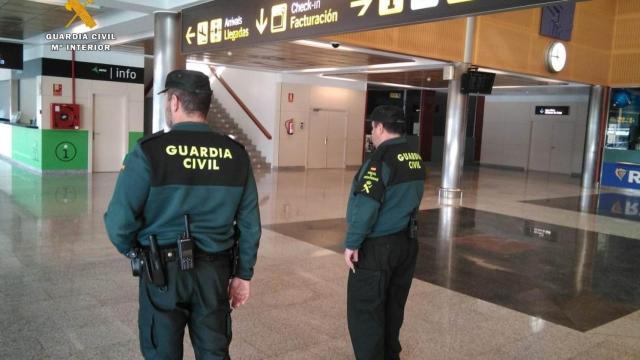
pixel 385 192
pixel 189 170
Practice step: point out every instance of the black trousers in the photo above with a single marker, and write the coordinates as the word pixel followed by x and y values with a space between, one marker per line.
pixel 377 294
pixel 198 299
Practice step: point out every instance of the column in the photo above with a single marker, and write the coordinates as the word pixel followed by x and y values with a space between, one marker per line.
pixel 448 223
pixel 166 57
pixel 591 139
pixel 454 137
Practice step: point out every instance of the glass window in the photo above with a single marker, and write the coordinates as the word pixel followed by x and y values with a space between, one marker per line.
pixel 623 126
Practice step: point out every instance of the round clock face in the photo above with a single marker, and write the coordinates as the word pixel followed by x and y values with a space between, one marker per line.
pixel 556 58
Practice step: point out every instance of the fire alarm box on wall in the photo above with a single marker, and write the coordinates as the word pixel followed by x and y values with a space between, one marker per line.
pixel 65 116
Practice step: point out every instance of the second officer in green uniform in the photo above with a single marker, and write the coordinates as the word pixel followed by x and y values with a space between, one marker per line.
pixel 381 244
pixel 189 173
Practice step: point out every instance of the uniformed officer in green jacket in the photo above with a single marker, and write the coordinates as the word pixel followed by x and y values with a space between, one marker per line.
pixel 191 171
pixel 381 241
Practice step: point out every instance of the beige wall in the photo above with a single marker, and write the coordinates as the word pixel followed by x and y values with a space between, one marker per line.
pixel 5 98
pixel 29 98
pixel 292 149
pixel 85 90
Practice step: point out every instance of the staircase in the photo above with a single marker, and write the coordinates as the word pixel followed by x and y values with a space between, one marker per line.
pixel 221 122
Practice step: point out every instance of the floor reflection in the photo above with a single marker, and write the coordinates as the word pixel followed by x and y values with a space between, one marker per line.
pixel 575 278
pixel 49 196
pixel 608 204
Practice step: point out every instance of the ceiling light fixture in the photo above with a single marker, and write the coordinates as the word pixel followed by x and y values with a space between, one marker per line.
pixel 396 85
pixel 322 45
pixel 312 70
pixel 531 77
pixel 340 78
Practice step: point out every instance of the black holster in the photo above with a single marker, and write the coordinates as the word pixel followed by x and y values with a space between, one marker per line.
pixel 154 264
pixel 137 262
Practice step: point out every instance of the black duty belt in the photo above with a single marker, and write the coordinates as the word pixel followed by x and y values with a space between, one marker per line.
pixel 170 254
pixel 402 234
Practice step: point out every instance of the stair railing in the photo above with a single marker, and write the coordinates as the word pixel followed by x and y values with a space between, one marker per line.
pixel 241 103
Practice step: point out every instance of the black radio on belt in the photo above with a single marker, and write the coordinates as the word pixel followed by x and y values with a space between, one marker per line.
pixel 186 247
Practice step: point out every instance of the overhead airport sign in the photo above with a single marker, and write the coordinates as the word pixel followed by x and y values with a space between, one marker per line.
pixel 93 71
pixel 224 24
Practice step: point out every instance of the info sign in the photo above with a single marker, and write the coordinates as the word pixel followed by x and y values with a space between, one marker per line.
pixel 225 24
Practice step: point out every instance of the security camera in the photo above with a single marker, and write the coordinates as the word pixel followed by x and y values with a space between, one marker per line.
pixel 335 45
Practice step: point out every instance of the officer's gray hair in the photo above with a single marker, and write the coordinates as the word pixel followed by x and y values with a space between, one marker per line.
pixel 192 102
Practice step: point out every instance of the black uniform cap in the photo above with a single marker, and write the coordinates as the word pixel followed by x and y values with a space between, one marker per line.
pixel 187 80
pixel 387 114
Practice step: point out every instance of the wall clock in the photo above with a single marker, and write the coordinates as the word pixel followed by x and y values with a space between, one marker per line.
pixel 556 57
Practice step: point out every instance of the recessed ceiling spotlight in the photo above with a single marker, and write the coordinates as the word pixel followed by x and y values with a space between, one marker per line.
pixel 229 53
pixel 429 79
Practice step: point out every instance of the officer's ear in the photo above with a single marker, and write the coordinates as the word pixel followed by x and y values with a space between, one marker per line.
pixel 174 103
pixel 374 126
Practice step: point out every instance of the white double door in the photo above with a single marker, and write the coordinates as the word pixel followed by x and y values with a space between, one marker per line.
pixel 551 146
pixel 327 139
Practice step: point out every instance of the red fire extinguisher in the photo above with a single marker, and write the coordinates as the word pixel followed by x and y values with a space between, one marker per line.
pixel 289 125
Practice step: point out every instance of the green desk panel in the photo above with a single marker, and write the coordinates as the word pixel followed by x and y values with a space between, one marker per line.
pixel 65 150
pixel 27 146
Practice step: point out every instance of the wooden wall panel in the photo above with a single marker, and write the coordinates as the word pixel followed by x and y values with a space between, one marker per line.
pixel 625 57
pixel 511 41
pixel 604 49
pixel 588 65
pixel 625 70
pixel 627 35
pixel 628 7
pixel 443 40
pixel 592 28
pixel 523 19
pixel 502 45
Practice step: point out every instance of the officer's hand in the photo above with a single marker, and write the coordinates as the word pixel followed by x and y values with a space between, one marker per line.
pixel 238 292
pixel 350 257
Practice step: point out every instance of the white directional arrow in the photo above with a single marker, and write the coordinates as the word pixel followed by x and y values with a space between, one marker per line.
pixel 190 35
pixel 261 23
pixel 364 3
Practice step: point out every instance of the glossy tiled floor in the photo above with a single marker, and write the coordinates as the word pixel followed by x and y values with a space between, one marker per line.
pixel 559 274
pixel 66 294
pixel 622 206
